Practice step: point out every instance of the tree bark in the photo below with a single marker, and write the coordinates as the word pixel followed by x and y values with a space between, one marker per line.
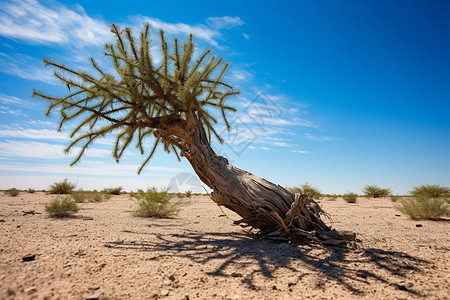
pixel 270 208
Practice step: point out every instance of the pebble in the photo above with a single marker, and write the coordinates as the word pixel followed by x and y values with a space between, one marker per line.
pixel 164 292
pixel 29 257
pixel 93 297
pixel 30 290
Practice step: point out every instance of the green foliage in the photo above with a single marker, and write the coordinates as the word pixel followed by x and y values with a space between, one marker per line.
pixel 141 99
pixel 13 192
pixel 395 198
pixel 350 197
pixel 373 191
pixel 62 187
pixel 113 191
pixel 188 193
pixel 61 207
pixel 154 203
pixel 428 190
pixel 424 207
pixel 306 188
pixel 31 191
pixel 81 196
pixel 180 195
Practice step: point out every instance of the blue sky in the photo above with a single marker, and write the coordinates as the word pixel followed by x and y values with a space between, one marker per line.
pixel 339 94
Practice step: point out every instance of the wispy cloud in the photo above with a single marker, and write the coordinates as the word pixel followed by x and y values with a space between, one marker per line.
pixel 25 67
pixel 31 149
pixel 299 151
pixel 224 22
pixel 246 36
pixel 12 112
pixel 31 21
pixel 209 33
pixel 88 168
pixel 36 134
pixel 319 138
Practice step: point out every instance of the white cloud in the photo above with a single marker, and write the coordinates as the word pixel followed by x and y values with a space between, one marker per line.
pixel 318 138
pixel 30 21
pixel 86 168
pixel 299 151
pixel 209 33
pixel 25 67
pixel 281 144
pixel 10 99
pixel 199 31
pixel 224 22
pixel 246 36
pixel 12 112
pixel 37 134
pixel 31 149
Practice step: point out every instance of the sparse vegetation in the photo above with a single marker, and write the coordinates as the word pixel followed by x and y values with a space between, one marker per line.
pixel 350 197
pixel 188 193
pixel 424 207
pixel 395 198
pixel 31 191
pixel 431 190
pixel 13 192
pixel 113 191
pixel 62 187
pixel 81 196
pixel 373 191
pixel 154 203
pixel 61 207
pixel 306 188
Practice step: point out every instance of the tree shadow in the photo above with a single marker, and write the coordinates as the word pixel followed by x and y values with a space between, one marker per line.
pixel 339 264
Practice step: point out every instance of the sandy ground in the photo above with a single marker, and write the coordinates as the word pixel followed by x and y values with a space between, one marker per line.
pixel 106 253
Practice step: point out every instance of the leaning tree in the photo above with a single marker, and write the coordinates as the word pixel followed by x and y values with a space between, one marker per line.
pixel 170 104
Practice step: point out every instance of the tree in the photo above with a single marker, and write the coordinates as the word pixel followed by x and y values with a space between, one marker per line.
pixel 171 103
pixel 374 191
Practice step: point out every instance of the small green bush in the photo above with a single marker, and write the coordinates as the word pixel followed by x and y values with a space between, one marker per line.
pixel 423 207
pixel 81 196
pixel 31 191
pixel 113 191
pixel 395 198
pixel 350 197
pixel 188 193
pixel 61 207
pixel 428 190
pixel 306 188
pixel 13 192
pixel 372 191
pixel 62 187
pixel 154 203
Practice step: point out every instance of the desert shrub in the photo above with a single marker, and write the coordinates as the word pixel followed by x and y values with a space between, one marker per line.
pixel 372 191
pixel 180 195
pixel 430 190
pixel 188 193
pixel 306 188
pixel 61 207
pixel 154 203
pixel 62 187
pixel 350 197
pixel 113 191
pixel 13 192
pixel 424 207
pixel 395 198
pixel 31 191
pixel 81 196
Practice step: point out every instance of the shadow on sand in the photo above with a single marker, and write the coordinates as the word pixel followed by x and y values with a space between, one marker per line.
pixel 351 268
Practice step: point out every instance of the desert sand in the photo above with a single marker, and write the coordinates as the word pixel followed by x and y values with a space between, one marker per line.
pixel 106 253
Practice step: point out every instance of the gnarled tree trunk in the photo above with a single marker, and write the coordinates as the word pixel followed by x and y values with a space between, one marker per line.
pixel 272 209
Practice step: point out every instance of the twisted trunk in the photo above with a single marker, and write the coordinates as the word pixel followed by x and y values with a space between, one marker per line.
pixel 272 209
